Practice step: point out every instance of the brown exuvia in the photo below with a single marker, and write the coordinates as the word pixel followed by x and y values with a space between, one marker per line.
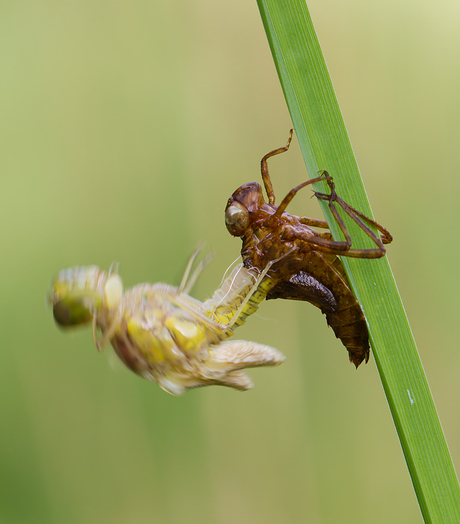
pixel 306 265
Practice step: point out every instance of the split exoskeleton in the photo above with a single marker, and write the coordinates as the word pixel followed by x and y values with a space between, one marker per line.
pixel 308 266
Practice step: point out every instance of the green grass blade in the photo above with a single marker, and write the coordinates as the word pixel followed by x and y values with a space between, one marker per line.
pixel 325 144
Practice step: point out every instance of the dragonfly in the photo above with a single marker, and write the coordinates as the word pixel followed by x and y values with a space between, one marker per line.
pixel 163 334
pixel 308 266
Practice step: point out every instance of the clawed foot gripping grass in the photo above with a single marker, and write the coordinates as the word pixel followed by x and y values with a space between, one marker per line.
pixel 325 144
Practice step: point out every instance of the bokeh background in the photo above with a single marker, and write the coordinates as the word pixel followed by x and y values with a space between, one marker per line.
pixel 125 126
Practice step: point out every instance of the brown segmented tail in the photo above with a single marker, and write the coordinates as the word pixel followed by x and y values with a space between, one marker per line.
pixel 323 283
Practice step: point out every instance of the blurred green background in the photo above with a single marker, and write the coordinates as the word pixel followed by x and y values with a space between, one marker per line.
pixel 125 126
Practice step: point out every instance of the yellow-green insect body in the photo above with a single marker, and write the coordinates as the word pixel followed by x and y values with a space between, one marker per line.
pixel 163 334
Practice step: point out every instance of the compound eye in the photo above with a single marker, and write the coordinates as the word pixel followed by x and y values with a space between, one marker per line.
pixel 236 219
pixel 72 312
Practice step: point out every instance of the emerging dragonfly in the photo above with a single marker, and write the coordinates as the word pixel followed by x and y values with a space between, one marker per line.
pixel 307 266
pixel 163 334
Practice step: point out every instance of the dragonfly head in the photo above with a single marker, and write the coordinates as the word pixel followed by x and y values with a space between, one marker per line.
pixel 79 293
pixel 245 201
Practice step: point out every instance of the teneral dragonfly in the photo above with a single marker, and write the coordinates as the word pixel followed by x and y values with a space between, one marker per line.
pixel 163 334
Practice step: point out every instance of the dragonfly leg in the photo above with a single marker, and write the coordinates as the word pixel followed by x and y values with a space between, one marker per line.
pixel 108 334
pixel 333 247
pixel 315 222
pixel 326 244
pixel 188 280
pixel 264 168
pixel 359 218
pixel 292 193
